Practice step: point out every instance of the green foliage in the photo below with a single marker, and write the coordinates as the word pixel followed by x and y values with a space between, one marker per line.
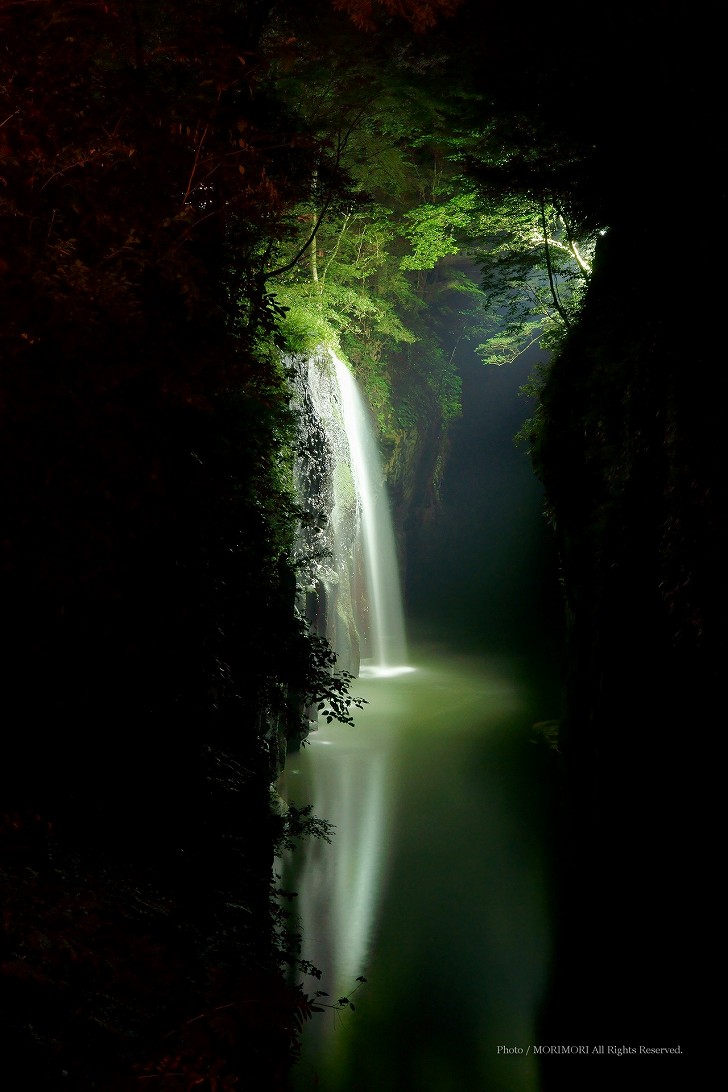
pixel 435 230
pixel 301 823
pixel 530 432
pixel 533 281
pixel 536 233
pixel 383 208
pixel 323 686
pixel 304 325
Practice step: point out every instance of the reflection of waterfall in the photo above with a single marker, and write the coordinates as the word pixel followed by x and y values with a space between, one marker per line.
pixel 347 552
pixel 338 884
pixel 435 886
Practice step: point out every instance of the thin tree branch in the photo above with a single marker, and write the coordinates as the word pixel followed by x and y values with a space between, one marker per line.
pixel 549 268
pixel 306 245
pixel 341 145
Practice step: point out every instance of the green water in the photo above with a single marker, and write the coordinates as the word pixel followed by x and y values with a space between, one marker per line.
pixel 437 884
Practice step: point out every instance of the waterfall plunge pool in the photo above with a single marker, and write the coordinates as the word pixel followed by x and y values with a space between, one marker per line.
pixel 436 886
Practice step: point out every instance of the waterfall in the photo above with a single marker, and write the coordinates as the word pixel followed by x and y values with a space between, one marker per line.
pixel 347 549
pixel 384 642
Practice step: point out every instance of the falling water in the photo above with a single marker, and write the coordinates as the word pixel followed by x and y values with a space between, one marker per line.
pixel 345 552
pixel 384 637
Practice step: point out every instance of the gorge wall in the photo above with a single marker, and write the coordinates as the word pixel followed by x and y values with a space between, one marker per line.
pixel 630 457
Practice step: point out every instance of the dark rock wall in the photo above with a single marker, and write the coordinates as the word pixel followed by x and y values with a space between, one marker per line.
pixel 632 461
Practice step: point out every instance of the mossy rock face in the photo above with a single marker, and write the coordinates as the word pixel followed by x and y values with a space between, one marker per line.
pixel 348 639
pixel 344 488
pixel 326 545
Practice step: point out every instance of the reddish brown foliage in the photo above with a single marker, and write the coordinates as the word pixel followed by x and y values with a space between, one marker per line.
pixel 420 14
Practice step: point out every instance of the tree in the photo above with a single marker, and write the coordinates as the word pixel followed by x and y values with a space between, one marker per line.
pixel 344 276
pixel 534 275
pixel 421 14
pixel 148 624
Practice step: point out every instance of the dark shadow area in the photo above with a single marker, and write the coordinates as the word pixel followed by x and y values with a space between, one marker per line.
pixel 483 573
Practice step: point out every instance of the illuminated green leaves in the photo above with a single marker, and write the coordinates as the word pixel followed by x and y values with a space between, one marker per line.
pixel 435 230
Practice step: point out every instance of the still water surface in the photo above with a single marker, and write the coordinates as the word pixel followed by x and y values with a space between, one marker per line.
pixel 436 886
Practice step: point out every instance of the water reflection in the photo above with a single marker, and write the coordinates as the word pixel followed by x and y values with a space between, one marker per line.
pixel 435 886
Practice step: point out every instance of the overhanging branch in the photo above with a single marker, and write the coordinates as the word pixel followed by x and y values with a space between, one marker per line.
pixel 549 268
